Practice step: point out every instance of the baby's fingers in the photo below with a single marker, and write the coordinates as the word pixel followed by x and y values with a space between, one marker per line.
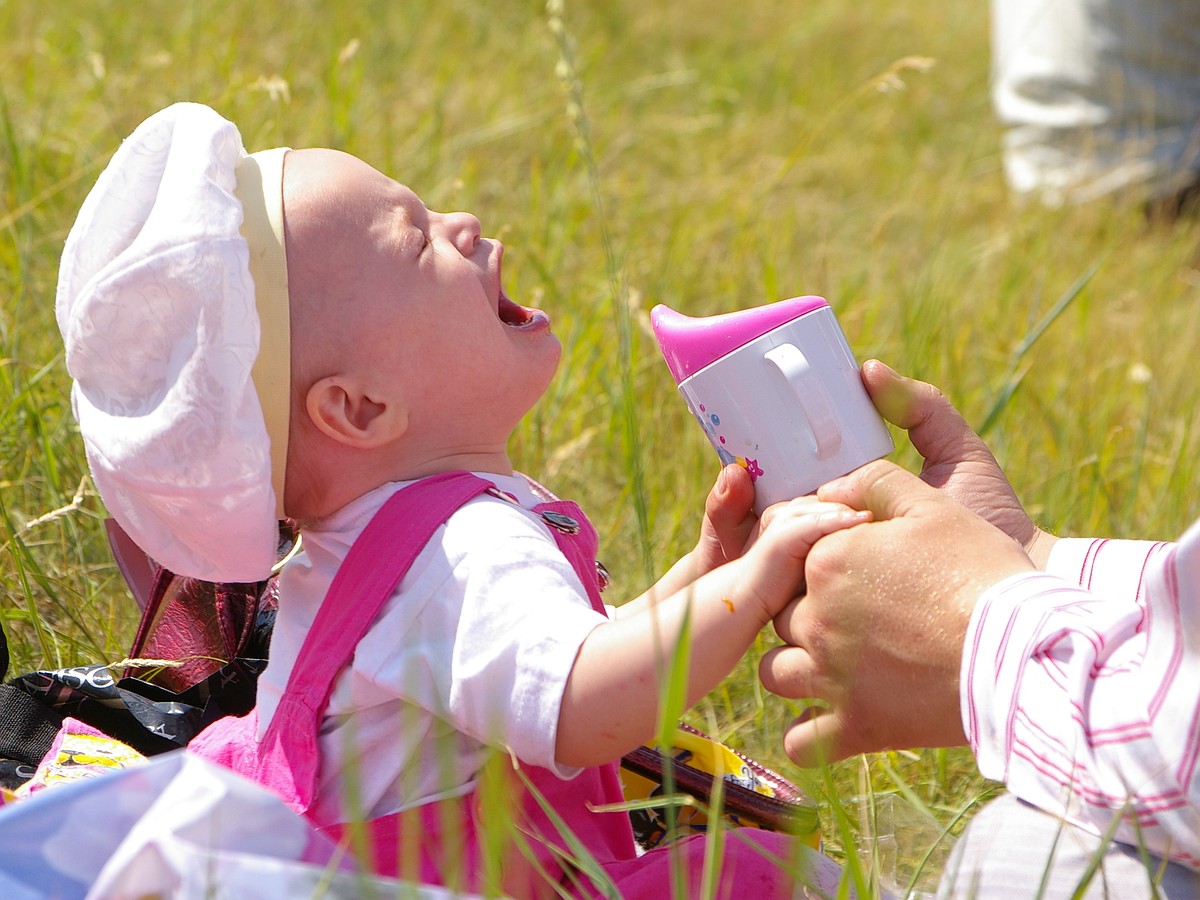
pixel 800 523
pixel 783 546
pixel 729 519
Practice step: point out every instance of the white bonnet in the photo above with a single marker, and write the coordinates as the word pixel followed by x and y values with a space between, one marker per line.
pixel 158 310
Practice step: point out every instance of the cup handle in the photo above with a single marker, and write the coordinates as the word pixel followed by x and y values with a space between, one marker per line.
pixel 812 396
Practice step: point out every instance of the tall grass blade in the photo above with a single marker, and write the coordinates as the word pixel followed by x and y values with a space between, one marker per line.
pixel 621 303
pixel 1011 379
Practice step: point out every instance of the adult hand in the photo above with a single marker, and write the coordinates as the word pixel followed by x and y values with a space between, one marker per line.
pixel 878 638
pixel 956 460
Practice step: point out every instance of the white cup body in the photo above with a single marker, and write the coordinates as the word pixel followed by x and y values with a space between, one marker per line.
pixel 790 407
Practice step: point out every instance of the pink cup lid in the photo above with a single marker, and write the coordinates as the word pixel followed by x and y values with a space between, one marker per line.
pixel 689 344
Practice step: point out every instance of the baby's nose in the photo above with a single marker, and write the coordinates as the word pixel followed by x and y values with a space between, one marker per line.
pixel 462 229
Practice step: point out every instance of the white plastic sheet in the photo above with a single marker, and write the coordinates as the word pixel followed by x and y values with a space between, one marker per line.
pixel 174 827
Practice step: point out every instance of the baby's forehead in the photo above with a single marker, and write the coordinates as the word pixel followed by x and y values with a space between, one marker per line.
pixel 333 201
pixel 334 178
pixel 345 222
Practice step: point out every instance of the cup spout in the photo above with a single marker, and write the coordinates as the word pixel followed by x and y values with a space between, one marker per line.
pixel 689 343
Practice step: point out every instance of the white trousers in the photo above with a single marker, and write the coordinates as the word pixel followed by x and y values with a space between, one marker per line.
pixel 1011 850
pixel 1097 97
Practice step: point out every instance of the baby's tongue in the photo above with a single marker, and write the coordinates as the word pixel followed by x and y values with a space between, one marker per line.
pixel 512 313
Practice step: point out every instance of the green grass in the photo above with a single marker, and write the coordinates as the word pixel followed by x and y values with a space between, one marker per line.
pixel 734 156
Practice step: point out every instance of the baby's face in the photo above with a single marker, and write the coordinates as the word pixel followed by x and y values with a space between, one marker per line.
pixel 411 299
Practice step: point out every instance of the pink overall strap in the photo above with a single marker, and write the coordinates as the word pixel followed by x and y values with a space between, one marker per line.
pixel 367 577
pixel 429 830
pixel 578 542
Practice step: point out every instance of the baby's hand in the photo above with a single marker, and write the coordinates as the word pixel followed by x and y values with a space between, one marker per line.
pixel 728 526
pixel 787 532
pixel 729 521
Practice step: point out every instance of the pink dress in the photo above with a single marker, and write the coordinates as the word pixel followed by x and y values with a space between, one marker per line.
pixel 446 842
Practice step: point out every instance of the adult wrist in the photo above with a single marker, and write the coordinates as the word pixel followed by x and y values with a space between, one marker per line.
pixel 1038 547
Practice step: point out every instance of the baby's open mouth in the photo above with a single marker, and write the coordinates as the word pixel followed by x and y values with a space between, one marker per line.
pixel 513 313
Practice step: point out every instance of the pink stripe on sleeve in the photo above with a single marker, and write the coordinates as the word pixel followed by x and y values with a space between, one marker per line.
pixel 1083 692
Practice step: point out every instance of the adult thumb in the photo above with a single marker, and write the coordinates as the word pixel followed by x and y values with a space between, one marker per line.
pixel 882 487
pixel 936 428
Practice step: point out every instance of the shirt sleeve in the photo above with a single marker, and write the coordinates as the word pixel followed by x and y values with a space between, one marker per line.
pixel 524 616
pixel 1114 568
pixel 1081 689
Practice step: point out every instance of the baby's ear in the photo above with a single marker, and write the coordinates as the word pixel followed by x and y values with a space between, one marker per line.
pixel 341 409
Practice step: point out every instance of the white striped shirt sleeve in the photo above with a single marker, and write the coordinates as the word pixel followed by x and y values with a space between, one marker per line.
pixel 1081 689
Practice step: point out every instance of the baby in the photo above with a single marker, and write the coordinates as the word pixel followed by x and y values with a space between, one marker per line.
pixel 441 604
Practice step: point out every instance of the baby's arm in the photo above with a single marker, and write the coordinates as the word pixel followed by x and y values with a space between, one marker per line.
pixel 610 702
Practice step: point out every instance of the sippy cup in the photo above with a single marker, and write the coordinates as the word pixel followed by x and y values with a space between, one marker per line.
pixel 777 391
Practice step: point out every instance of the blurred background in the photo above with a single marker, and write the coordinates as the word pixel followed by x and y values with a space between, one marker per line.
pixel 706 156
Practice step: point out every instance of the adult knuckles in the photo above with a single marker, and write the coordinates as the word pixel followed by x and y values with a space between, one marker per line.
pixel 829 557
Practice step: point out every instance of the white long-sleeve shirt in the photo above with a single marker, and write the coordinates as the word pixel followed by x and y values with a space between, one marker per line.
pixel 1081 689
pixel 473 648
